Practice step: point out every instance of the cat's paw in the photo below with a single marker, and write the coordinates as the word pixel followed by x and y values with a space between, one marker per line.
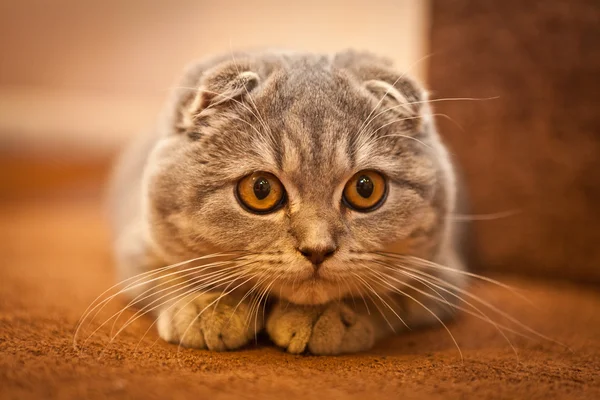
pixel 331 329
pixel 206 322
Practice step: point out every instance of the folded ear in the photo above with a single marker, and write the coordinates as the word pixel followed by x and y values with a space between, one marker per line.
pixel 225 85
pixel 395 92
pixel 391 98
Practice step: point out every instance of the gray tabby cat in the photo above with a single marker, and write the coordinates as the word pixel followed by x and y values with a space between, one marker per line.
pixel 323 181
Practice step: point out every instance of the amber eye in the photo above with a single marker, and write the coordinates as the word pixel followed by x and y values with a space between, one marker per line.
pixel 365 191
pixel 261 192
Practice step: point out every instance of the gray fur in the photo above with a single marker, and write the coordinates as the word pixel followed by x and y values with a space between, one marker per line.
pixel 302 118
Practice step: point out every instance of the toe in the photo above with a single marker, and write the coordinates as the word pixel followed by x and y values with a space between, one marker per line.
pixel 225 329
pixel 328 333
pixel 348 316
pixel 298 341
pixel 214 340
pixel 290 329
pixel 235 332
pixel 358 337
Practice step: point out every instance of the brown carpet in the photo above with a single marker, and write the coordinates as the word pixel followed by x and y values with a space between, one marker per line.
pixel 56 261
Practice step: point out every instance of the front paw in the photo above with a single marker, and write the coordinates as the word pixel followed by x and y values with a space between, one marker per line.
pixel 331 329
pixel 206 322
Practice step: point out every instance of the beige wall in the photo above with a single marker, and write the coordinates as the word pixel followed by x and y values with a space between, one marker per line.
pixel 87 75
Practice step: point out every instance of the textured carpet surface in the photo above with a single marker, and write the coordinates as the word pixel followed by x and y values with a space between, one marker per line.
pixel 56 261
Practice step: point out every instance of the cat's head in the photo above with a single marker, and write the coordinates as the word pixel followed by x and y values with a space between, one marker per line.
pixel 311 164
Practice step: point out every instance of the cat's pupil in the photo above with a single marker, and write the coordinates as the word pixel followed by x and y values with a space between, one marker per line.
pixel 262 188
pixel 364 186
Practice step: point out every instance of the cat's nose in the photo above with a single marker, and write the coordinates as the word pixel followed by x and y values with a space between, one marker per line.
pixel 317 255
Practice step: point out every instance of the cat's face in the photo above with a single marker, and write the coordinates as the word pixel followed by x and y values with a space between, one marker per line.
pixel 302 165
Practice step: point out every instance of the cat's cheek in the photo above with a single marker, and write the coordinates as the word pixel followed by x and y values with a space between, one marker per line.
pixel 222 220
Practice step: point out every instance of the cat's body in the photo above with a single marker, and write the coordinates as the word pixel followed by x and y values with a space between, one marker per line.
pixel 361 189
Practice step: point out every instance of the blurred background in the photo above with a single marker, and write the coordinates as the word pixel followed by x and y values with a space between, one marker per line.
pixel 80 78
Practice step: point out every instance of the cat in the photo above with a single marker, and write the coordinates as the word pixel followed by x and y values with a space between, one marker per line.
pixel 322 183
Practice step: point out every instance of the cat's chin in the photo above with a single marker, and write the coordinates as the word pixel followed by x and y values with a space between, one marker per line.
pixel 311 292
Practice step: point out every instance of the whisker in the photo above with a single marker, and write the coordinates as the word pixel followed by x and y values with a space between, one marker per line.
pixel 132 285
pixel 399 135
pixel 368 120
pixel 383 301
pixel 235 277
pixel 503 314
pixel 224 293
pixel 255 303
pixel 257 115
pixel 149 307
pixel 447 117
pixel 363 297
pixel 247 123
pixel 240 103
pixel 138 277
pixel 424 283
pixel 428 310
pixel 483 217
pixel 481 316
pixel 217 304
pixel 345 281
pixel 188 284
pixel 431 264
pixel 152 291
pixel 139 314
pixel 255 295
pixel 246 295
pixel 434 101
pixel 266 300
pixel 496 310
pixel 370 289
pixel 222 96
pixel 208 282
pixel 263 298
pixel 212 284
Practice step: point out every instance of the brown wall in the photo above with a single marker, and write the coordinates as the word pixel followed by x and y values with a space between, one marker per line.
pixel 536 148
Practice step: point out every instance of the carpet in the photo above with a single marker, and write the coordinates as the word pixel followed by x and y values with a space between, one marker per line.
pixel 56 260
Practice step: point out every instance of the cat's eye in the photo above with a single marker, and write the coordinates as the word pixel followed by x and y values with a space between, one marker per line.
pixel 365 191
pixel 261 192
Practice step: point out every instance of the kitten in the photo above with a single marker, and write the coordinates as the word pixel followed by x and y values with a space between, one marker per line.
pixel 323 180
